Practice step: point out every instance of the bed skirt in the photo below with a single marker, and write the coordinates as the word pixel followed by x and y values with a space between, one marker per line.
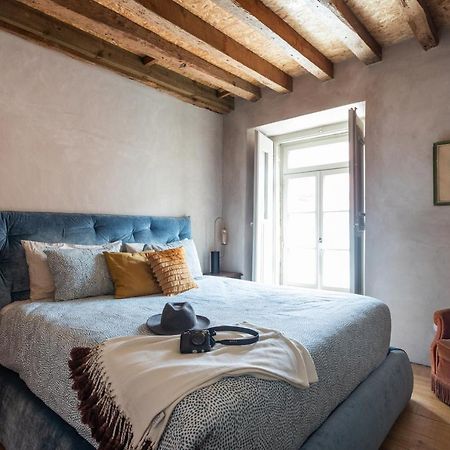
pixel 362 421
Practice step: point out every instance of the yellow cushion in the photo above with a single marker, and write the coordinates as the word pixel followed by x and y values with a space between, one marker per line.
pixel 171 270
pixel 131 274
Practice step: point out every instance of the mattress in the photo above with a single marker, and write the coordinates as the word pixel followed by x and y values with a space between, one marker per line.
pixel 347 336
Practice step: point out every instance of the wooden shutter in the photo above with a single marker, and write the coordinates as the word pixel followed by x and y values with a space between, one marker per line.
pixel 263 217
pixel 357 202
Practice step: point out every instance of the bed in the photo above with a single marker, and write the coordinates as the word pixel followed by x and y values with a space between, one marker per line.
pixel 363 384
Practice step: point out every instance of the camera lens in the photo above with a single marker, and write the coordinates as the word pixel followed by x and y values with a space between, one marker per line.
pixel 198 338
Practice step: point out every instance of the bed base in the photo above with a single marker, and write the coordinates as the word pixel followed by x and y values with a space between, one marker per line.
pixel 362 421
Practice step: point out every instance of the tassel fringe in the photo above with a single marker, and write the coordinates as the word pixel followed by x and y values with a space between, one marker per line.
pixel 441 389
pixel 109 425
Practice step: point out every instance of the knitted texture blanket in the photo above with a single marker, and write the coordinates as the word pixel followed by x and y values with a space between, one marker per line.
pixel 129 386
pixel 347 336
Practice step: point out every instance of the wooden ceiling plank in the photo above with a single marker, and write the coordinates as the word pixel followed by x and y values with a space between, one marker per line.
pixel 152 14
pixel 255 14
pixel 421 22
pixel 348 28
pixel 117 30
pixel 32 25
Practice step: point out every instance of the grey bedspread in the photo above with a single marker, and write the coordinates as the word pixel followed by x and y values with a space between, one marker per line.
pixel 347 336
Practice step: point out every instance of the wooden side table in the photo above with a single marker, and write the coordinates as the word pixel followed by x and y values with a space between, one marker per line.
pixel 237 275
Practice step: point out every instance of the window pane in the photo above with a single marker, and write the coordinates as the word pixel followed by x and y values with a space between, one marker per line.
pixel 336 192
pixel 301 194
pixel 336 230
pixel 301 230
pixel 318 154
pixel 300 266
pixel 336 269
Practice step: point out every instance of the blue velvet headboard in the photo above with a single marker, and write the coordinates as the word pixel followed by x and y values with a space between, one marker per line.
pixel 75 229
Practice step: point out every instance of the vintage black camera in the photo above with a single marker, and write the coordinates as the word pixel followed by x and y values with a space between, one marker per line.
pixel 196 341
pixel 201 341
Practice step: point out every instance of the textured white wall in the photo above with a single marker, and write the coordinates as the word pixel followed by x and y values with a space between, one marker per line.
pixel 408 239
pixel 77 138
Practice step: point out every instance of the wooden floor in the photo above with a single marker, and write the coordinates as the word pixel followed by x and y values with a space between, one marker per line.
pixel 425 423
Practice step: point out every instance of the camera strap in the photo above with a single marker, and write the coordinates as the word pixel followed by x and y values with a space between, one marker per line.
pixel 245 341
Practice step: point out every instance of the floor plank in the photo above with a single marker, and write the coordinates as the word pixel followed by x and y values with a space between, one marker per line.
pixel 425 423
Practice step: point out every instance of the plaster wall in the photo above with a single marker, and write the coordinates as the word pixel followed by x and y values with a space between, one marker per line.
pixel 408 238
pixel 75 137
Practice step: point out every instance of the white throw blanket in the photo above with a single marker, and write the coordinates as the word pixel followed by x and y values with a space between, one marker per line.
pixel 137 381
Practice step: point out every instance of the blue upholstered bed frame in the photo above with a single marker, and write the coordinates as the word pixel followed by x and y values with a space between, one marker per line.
pixel 361 422
pixel 75 229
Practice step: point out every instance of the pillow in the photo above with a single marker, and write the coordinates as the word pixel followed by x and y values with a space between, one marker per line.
pixel 191 254
pixel 41 280
pixel 79 273
pixel 131 274
pixel 42 285
pixel 171 270
pixel 133 247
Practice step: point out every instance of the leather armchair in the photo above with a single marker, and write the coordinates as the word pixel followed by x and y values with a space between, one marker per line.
pixel 440 356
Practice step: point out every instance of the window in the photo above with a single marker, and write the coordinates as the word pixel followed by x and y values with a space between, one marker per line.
pixel 315 248
pixel 309 209
pixel 317 153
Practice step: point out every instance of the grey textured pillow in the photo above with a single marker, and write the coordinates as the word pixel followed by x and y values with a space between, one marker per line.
pixel 80 273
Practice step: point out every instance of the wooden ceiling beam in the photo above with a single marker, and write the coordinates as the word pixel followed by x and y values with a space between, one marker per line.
pixel 152 14
pixel 255 14
pixel 104 24
pixel 148 60
pixel 32 25
pixel 348 28
pixel 421 22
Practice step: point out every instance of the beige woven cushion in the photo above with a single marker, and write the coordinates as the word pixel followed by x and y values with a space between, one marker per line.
pixel 171 271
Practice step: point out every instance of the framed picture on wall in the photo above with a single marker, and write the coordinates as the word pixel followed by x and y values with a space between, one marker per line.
pixel 441 172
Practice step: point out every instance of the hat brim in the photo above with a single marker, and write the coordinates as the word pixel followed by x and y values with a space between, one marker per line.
pixel 154 323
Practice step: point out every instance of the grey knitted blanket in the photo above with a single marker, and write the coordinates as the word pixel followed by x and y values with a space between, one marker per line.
pixel 347 336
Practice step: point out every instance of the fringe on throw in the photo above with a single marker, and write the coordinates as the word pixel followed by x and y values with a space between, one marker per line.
pixel 441 389
pixel 109 425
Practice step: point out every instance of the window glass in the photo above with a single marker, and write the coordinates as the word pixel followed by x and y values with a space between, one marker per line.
pixel 336 269
pixel 301 230
pixel 335 230
pixel 301 194
pixel 318 153
pixel 300 267
pixel 336 192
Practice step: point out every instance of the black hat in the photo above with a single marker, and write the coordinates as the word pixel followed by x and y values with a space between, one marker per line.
pixel 176 318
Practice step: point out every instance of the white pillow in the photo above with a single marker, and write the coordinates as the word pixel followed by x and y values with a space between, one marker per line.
pixel 42 285
pixel 190 249
pixel 133 247
pixel 192 258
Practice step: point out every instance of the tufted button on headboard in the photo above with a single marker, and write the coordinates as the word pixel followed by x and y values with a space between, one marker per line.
pixel 74 229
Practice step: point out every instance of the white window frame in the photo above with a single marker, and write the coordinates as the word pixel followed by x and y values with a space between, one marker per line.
pixel 282 146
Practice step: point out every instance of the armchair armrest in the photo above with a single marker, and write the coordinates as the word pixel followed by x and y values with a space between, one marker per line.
pixel 442 320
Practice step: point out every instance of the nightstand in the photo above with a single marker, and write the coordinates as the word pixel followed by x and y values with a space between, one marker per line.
pixel 237 275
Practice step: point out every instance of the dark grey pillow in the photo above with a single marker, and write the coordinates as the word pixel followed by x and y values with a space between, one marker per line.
pixel 80 273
